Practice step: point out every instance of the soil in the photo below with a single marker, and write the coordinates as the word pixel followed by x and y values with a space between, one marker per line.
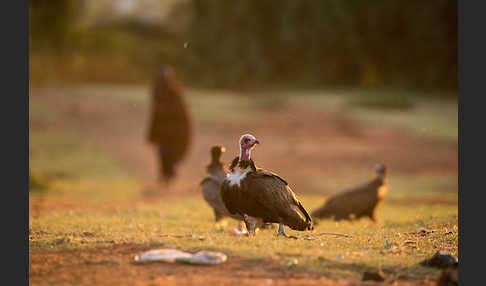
pixel 330 147
pixel 114 266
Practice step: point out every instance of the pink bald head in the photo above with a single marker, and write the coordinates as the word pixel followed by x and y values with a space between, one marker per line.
pixel 247 142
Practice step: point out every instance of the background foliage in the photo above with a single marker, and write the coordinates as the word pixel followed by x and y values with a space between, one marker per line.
pixel 258 43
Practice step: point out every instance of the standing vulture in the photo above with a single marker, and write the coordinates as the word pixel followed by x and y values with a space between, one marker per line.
pixel 260 196
pixel 359 202
pixel 211 185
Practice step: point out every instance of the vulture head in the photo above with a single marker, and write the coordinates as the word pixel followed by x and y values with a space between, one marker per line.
pixel 380 170
pixel 247 143
pixel 216 153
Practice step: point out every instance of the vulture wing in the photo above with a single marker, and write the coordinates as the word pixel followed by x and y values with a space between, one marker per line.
pixel 273 200
pixel 265 195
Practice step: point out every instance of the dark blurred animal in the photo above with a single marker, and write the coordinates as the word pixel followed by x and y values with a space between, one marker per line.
pixel 358 202
pixel 441 259
pixel 260 196
pixel 448 277
pixel 211 185
pixel 169 126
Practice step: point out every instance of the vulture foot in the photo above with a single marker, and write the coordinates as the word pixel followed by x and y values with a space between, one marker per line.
pixel 250 225
pixel 281 231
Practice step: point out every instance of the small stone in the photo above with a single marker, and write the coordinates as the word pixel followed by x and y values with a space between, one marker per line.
pixel 403 277
pixel 387 244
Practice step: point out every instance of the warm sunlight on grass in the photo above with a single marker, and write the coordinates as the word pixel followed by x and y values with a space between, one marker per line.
pixel 418 217
pixel 187 224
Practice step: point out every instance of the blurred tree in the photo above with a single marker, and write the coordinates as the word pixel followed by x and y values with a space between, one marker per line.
pixel 51 22
pixel 368 43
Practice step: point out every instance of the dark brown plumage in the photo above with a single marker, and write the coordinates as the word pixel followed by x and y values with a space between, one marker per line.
pixel 358 202
pixel 169 126
pixel 261 196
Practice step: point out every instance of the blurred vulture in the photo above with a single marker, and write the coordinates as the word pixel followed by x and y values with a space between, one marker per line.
pixel 260 196
pixel 169 126
pixel 358 202
pixel 211 185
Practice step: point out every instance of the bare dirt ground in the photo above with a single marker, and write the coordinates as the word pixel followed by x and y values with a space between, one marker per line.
pixel 330 147
pixel 114 266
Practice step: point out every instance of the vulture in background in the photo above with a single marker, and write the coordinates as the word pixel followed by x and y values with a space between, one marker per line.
pixel 358 202
pixel 260 196
pixel 211 185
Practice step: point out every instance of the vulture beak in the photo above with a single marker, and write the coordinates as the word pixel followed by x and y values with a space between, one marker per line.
pixel 256 142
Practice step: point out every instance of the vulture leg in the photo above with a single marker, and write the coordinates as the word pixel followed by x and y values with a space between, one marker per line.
pixel 253 229
pixel 251 224
pixel 221 222
pixel 373 217
pixel 217 215
pixel 281 231
pixel 247 224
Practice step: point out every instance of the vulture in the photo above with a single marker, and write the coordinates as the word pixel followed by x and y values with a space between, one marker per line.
pixel 260 196
pixel 357 202
pixel 211 185
pixel 211 188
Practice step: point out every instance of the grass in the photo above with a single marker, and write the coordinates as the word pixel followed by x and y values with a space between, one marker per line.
pixel 422 116
pixel 71 169
pixel 79 172
pixel 189 221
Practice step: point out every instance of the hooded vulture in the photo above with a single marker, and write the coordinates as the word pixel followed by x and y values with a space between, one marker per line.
pixel 357 202
pixel 260 196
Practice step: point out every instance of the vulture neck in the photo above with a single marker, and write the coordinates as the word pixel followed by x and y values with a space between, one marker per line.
pixel 381 178
pixel 216 162
pixel 214 166
pixel 244 154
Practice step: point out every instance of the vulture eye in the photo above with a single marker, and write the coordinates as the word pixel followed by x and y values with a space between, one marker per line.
pixel 246 140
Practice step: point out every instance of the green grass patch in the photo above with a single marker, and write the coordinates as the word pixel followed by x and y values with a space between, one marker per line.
pixel 422 116
pixel 70 168
pixel 390 102
pixel 76 171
